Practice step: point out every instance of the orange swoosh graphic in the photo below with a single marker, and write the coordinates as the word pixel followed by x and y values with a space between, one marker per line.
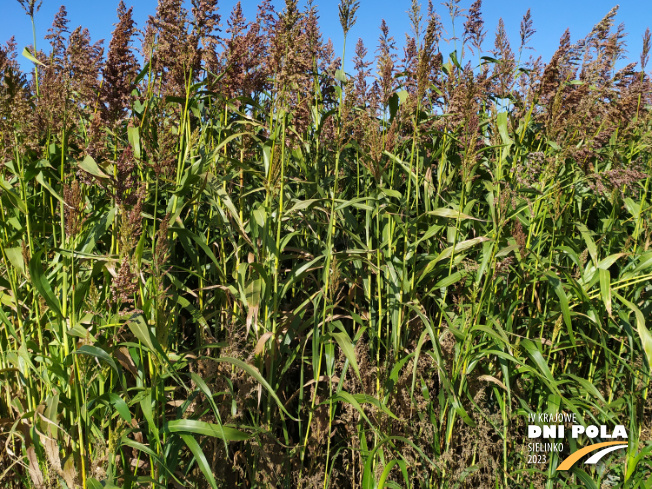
pixel 575 456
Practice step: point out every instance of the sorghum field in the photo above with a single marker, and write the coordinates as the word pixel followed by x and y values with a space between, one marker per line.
pixel 226 263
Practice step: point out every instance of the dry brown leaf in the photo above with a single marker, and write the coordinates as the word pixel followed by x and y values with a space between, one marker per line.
pixel 34 470
pixel 260 346
pixel 493 380
pixel 122 355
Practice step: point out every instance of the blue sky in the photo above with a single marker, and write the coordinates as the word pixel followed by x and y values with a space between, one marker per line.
pixel 550 20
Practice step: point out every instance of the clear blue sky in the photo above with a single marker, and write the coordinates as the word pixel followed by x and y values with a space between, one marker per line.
pixel 550 19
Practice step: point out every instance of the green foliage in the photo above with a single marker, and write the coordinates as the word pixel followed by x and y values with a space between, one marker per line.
pixel 291 280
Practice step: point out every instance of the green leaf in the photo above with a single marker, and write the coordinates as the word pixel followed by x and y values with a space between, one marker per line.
pixel 346 397
pixel 464 245
pixel 386 471
pixel 605 288
pixel 489 59
pixel 194 312
pixel 451 214
pixel 199 382
pixel 297 273
pixel 145 449
pixel 453 58
pixel 88 165
pixel 200 458
pixel 610 260
pixel 15 257
pixel 99 230
pixel 40 179
pixel 142 73
pixel 391 193
pixel 208 429
pixel 300 205
pixel 98 353
pixel 253 371
pixel 200 242
pixel 501 122
pixel 140 329
pixel 590 244
pixel 402 95
pixel 11 195
pixel 345 343
pixel 134 140
pixel 643 332
pixel 393 106
pixel 120 405
pixel 31 57
pixel 534 353
pixel 235 215
pixel 94 484
pixel 449 280
pixel 369 399
pixel 42 285
pixel 563 303
pixel 585 478
pixel 587 386
pixel 358 203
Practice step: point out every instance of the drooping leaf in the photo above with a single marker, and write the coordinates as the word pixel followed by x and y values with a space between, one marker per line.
pixel 89 165
pixel 41 283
